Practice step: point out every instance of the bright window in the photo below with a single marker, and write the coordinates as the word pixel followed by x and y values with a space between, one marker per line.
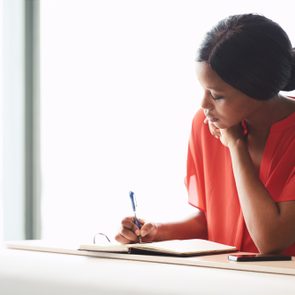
pixel 1 125
pixel 118 92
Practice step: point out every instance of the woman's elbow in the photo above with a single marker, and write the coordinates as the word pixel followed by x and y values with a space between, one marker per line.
pixel 271 247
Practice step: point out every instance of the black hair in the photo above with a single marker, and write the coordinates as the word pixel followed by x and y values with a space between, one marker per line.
pixel 251 53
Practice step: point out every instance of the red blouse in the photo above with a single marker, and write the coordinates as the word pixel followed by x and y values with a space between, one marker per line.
pixel 211 184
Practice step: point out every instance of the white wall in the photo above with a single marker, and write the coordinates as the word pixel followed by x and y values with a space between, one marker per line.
pixel 1 125
pixel 118 92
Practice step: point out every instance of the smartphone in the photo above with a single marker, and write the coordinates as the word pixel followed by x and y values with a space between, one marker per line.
pixel 258 257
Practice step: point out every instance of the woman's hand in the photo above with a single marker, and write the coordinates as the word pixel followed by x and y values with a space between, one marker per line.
pixel 215 131
pixel 129 232
pixel 229 136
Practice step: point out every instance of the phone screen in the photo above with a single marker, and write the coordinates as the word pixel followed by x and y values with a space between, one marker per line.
pixel 258 257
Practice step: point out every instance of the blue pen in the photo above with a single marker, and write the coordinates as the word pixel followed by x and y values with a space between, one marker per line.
pixel 136 221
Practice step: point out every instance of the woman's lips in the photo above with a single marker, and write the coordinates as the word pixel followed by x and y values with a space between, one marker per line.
pixel 209 116
pixel 211 119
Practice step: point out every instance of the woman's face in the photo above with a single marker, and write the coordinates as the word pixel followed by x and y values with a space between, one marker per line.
pixel 224 105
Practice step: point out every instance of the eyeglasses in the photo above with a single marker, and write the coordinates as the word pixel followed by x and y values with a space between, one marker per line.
pixel 98 236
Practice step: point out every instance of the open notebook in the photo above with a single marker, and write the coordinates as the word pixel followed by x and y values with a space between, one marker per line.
pixel 192 247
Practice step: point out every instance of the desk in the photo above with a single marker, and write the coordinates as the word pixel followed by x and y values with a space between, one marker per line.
pixel 32 273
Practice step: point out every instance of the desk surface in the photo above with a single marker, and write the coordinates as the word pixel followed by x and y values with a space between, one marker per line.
pixel 28 272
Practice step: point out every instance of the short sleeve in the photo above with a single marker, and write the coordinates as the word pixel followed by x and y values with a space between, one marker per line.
pixel 288 192
pixel 194 180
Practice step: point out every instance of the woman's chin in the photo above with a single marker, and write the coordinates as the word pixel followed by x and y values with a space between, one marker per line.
pixel 219 125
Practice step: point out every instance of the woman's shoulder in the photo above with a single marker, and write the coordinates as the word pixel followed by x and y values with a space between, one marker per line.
pixel 200 131
pixel 287 118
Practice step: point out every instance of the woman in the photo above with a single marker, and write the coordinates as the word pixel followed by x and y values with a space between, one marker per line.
pixel 241 157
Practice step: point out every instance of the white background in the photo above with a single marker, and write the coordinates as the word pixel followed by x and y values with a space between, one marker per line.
pixel 118 93
pixel 1 126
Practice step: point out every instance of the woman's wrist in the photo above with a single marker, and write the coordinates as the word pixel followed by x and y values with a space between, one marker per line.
pixel 238 143
pixel 160 232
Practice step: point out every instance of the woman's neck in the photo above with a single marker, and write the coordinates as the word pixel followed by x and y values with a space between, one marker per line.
pixel 270 112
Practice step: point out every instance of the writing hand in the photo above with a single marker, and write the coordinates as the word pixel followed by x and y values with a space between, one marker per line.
pixel 129 231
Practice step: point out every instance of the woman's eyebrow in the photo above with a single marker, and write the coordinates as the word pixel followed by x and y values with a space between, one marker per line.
pixel 215 89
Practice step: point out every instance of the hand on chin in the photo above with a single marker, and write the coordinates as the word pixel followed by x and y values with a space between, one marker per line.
pixel 227 135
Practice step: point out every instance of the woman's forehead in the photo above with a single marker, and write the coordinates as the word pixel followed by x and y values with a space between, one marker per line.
pixel 209 78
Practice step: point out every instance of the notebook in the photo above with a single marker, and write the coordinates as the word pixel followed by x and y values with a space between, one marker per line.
pixel 182 248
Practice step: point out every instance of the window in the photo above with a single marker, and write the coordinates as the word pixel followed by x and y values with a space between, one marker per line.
pixel 118 92
pixel 1 127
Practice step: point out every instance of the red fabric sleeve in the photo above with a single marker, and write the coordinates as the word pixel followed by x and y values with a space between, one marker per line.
pixel 195 176
pixel 288 193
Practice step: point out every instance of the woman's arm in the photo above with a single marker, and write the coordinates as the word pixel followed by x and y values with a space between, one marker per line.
pixel 271 225
pixel 194 226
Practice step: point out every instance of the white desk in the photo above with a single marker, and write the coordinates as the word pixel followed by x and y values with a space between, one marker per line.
pixel 30 273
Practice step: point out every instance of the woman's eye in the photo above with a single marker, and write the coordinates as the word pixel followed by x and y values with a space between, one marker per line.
pixel 217 97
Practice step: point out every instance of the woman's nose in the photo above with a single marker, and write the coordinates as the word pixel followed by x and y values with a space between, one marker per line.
pixel 206 102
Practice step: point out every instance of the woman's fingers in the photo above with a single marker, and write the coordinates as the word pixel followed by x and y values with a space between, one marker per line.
pixel 126 236
pixel 212 128
pixel 128 232
pixel 147 229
